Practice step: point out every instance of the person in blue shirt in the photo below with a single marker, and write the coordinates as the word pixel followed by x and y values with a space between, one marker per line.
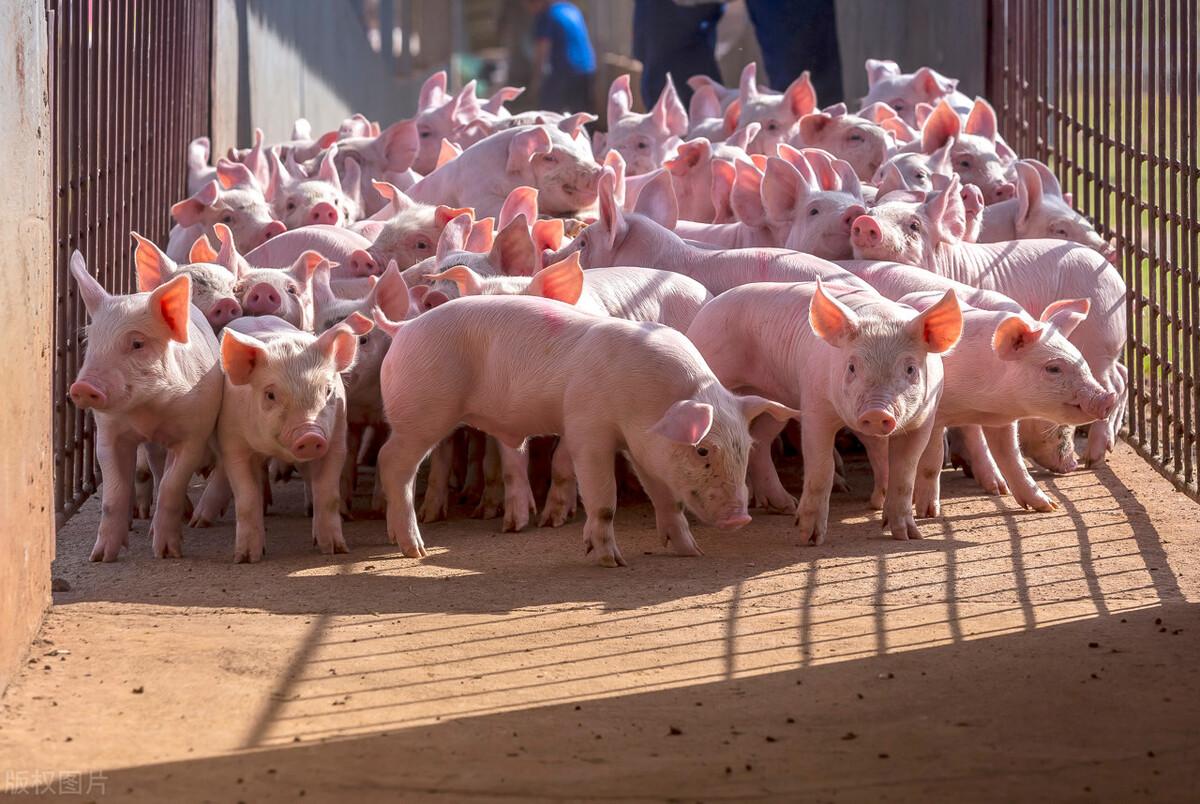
pixel 564 64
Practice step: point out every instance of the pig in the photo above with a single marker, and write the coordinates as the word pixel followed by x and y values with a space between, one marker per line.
pixel 439 113
pixel 913 171
pixel 284 399
pixel 903 92
pixel 1034 273
pixel 239 204
pixel 1039 211
pixel 726 96
pixel 848 137
pixel 973 156
pixel 805 214
pixel 645 141
pixel 150 373
pixel 646 238
pixel 844 357
pixel 336 243
pixel 708 118
pixel 697 189
pixel 285 294
pixel 200 172
pixel 211 284
pixel 301 200
pixel 751 227
pixel 1007 367
pixel 409 236
pixel 516 367
pixel 388 156
pixel 511 253
pixel 556 160
pixel 777 114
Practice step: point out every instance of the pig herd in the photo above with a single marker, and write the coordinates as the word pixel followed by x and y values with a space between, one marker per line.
pixel 677 296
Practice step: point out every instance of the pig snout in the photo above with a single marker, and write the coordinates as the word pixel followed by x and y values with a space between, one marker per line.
pixel 865 233
pixel 733 520
pixel 309 443
pixel 852 215
pixel 324 212
pixel 262 299
pixel 273 228
pixel 1004 191
pixel 224 311
pixel 876 421
pixel 1101 405
pixel 88 394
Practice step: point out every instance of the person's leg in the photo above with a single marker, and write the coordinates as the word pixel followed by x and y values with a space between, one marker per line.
pixel 799 35
pixel 679 40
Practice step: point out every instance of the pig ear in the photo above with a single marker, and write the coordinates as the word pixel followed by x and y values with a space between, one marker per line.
pixel 91 291
pixel 322 289
pixel 390 294
pixel 301 129
pixel 521 201
pixel 1029 191
pixel 832 321
pixel 705 104
pixel 228 255
pixel 482 236
pixel 573 124
pixel 562 281
pixel 444 214
pixel 448 152
pixel 688 156
pixel 946 212
pixel 743 136
pixel 454 236
pixel 279 177
pixel 745 198
pixel 939 160
pixel 940 326
pixel 188 211
pixel 1066 314
pixel 352 181
pixel 513 251
pixel 668 112
pixel 891 181
pixel 234 174
pixel 1014 336
pixel 781 187
pixel 547 234
pixel 849 179
pixel 152 265
pixel 685 422
pixel 202 250
pixel 338 344
pixel 611 216
pixel 241 355
pixel 733 115
pixel 1069 199
pixel 620 99
pixel 879 68
pixel 171 304
pixel 982 120
pixel 800 97
pixel 306 265
pixel 657 200
pixel 941 126
pixel 469 283
pixel 615 163
pixel 328 170
pixel 433 91
pixel 525 145
pixel 748 83
pixel 754 406
pixel 723 178
pixel 811 126
pixel 500 97
pixel 399 143
pixel 932 83
pixel 1050 185
pixel 600 145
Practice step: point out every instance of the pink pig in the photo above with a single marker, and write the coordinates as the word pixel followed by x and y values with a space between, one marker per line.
pixel 516 367
pixel 853 139
pixel 777 114
pixel 645 141
pixel 302 200
pixel 844 357
pixel 903 92
pixel 150 374
pixel 286 294
pixel 810 201
pixel 212 283
pixel 974 155
pixel 234 199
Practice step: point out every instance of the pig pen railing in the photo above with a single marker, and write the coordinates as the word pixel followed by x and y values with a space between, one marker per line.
pixel 129 84
pixel 1105 92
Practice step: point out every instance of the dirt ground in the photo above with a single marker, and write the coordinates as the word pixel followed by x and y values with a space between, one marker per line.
pixel 1009 656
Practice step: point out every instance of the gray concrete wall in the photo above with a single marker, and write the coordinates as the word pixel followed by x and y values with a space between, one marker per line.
pixel 27 529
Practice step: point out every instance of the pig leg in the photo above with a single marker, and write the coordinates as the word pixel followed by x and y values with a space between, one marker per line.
pixel 519 505
pixel 397 465
pixel 214 500
pixel 983 466
pixel 325 474
pixel 904 452
pixel 143 485
pixel 476 455
pixel 669 518
pixel 1102 434
pixel 817 436
pixel 245 477
pixel 458 468
pixel 563 494
pixel 766 489
pixel 493 483
pixel 877 454
pixel 166 529
pixel 596 470
pixel 436 505
pixel 927 491
pixel 118 457
pixel 349 479
pixel 1003 443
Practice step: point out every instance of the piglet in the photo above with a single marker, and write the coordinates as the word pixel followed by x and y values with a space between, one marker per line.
pixel 287 294
pixel 235 199
pixel 212 283
pixel 150 373
pixel 298 199
pixel 645 141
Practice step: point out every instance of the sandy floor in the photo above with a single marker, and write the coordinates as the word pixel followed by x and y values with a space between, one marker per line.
pixel 1009 656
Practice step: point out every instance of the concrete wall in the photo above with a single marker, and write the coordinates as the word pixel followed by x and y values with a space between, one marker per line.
pixel 27 532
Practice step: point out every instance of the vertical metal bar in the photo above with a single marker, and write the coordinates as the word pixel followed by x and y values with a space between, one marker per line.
pixel 1191 159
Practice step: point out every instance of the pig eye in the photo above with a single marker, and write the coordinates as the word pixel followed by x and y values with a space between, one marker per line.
pixel 920 175
pixel 227 219
pixel 362 340
pixel 855 138
pixel 270 396
pixel 291 289
pixel 850 367
pixel 1053 369
pixel 137 343
pixel 911 371
pixel 291 205
pixel 814 211
pixel 772 125
pixel 423 244
pixel 914 226
pixel 329 390
pixel 425 134
pixel 964 163
pixel 702 452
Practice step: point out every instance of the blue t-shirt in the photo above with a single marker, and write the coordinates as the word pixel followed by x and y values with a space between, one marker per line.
pixel 570 50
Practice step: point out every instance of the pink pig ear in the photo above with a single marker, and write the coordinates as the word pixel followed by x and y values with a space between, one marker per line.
pixel 754 406
pixel 1014 336
pixel 399 144
pixel 171 304
pixel 228 255
pixel 188 211
pixel 668 112
pixel 780 190
pixel 234 174
pixel 306 265
pixel 1066 314
pixel 454 236
pixel 611 217
pixel 933 84
pixel 390 294
pixel 800 97
pixel 748 83
pixel 328 170
pixel 878 69
pixel 469 283
pixel 941 126
pixel 482 236
pixel 562 281
pixel 339 344
pixel 548 234
pixel 153 267
pixel 685 422
pixel 705 104
pixel 241 355
pixel 448 152
pixel 513 253
pixel 1029 191
pixel 202 250
pixel 733 116
pixel 982 120
pixel 657 200
pixel 1050 185
pixel 91 291
pixel 525 146
pixel 500 97
pixel 573 124
pixel 890 180
pixel 620 99
pixel 723 177
pixel 433 91
pixel 945 211
pixel 745 198
pixel 689 156
pixel 939 327
pixel 521 201
pixel 811 126
pixel 832 321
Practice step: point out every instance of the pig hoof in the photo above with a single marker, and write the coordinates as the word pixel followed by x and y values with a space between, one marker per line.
pixel 433 510
pixel 786 508
pixel 488 509
pixel 106 552
pixel 878 497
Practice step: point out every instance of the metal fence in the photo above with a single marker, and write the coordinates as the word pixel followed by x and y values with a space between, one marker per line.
pixel 1105 92
pixel 129 86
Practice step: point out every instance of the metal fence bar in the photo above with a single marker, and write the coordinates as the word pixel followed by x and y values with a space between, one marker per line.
pixel 129 88
pixel 1105 91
